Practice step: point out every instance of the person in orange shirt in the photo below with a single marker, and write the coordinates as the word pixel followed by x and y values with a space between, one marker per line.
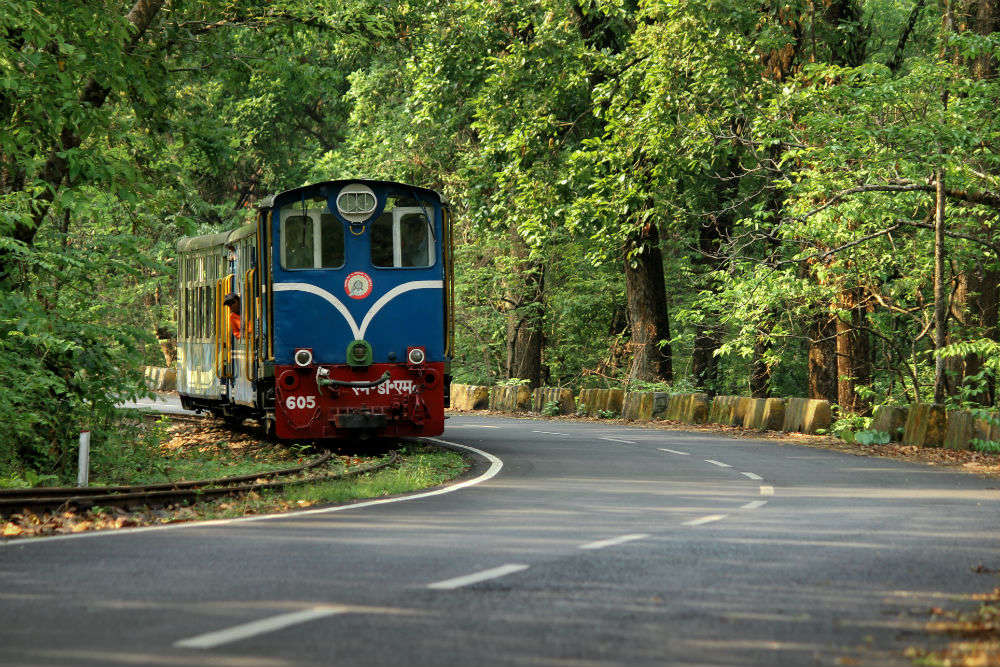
pixel 232 300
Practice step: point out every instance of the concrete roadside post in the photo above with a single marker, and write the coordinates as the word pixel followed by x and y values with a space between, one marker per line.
pixel 83 473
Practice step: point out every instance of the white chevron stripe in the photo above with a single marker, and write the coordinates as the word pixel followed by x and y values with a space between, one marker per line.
pixel 392 294
pixel 323 294
pixel 359 334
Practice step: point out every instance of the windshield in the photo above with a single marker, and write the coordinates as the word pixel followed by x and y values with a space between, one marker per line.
pixel 311 239
pixel 401 238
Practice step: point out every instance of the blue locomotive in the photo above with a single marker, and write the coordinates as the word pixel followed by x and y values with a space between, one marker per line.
pixel 329 316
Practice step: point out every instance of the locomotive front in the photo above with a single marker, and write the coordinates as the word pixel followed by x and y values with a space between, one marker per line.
pixel 360 321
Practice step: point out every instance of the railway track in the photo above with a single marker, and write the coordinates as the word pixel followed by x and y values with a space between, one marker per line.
pixel 154 495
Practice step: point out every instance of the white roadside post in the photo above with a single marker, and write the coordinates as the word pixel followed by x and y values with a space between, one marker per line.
pixel 83 474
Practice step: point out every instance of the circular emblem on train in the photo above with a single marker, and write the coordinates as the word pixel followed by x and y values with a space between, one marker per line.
pixel 358 285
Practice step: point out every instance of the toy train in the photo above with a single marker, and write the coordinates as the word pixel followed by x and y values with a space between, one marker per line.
pixel 329 316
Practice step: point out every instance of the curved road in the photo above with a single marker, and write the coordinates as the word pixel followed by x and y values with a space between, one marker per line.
pixel 594 545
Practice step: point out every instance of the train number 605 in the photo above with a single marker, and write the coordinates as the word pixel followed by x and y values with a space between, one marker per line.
pixel 293 402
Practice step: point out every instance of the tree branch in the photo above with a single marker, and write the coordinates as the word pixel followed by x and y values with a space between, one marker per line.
pixel 956 235
pixel 990 199
pixel 897 55
pixel 824 255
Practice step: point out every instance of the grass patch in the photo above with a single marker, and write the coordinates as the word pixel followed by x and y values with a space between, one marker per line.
pixel 181 451
pixel 418 467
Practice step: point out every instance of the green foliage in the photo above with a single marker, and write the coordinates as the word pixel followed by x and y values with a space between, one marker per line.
pixel 551 408
pixel 607 414
pixel 868 437
pixel 63 366
pixel 988 446
pixel 848 425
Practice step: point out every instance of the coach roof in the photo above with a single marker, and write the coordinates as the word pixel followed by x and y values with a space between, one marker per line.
pixel 190 243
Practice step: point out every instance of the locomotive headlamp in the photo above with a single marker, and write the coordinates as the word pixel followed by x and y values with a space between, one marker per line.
pixel 303 357
pixel 356 202
pixel 416 356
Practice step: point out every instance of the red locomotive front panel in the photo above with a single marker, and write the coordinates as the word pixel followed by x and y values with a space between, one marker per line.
pixel 338 401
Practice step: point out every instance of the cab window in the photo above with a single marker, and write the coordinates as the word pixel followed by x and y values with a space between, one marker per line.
pixel 402 238
pixel 311 240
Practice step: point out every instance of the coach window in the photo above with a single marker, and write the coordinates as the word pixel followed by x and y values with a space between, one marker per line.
pixel 402 238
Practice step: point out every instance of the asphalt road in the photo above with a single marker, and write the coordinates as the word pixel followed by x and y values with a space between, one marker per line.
pixel 593 545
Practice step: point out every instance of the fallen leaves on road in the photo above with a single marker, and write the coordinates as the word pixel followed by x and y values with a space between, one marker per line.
pixel 977 632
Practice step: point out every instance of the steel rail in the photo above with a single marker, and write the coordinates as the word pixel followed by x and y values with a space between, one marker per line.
pixel 159 497
pixel 73 491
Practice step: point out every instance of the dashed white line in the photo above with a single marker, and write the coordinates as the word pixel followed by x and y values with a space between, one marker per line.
pixel 551 433
pixel 753 475
pixel 472 426
pixel 705 519
pixel 674 451
pixel 600 544
pixel 627 442
pixel 246 630
pixel 718 463
pixel 766 490
pixel 476 577
pixel 754 504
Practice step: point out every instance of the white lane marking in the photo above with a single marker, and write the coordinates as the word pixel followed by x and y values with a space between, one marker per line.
pixel 627 442
pixel 718 463
pixel 247 630
pixel 495 466
pixel 600 544
pixel 753 475
pixel 471 426
pixel 766 490
pixel 551 433
pixel 674 451
pixel 754 504
pixel 476 577
pixel 705 519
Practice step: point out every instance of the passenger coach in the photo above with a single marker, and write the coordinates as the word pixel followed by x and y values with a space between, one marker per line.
pixel 330 316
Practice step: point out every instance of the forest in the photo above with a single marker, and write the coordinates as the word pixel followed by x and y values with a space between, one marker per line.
pixel 770 198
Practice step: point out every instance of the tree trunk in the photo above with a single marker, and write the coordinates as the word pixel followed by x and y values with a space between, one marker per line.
pixel 524 315
pixel 973 307
pixel 760 371
pixel 853 353
pixel 940 304
pixel 823 358
pixel 647 307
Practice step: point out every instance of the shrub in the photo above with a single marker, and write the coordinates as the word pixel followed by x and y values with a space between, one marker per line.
pixel 872 438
